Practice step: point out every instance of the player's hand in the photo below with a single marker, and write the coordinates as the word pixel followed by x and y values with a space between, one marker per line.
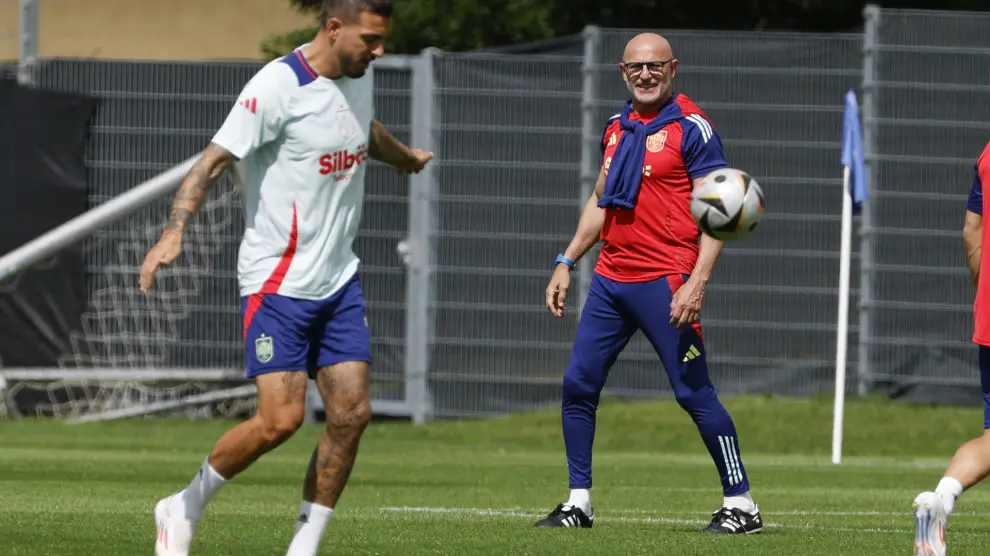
pixel 163 253
pixel 557 289
pixel 417 161
pixel 685 307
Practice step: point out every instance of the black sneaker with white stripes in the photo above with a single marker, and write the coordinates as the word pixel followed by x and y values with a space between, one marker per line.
pixel 734 521
pixel 568 516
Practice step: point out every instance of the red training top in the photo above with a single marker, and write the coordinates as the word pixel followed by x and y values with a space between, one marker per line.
pixel 978 204
pixel 659 237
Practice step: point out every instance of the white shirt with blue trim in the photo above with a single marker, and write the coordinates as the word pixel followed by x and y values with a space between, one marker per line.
pixel 301 141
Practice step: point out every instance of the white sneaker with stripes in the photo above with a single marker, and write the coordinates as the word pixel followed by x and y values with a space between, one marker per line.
pixel 174 532
pixel 929 524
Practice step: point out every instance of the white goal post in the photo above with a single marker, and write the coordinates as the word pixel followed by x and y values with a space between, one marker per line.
pixel 82 377
pixel 77 229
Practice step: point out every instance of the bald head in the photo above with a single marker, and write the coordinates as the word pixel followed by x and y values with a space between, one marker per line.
pixel 648 67
pixel 647 47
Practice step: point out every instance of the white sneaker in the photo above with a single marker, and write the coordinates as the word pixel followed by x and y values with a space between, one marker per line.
pixel 929 527
pixel 175 532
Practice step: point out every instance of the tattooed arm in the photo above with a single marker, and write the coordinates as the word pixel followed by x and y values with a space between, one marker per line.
pixel 384 147
pixel 193 191
pixel 196 186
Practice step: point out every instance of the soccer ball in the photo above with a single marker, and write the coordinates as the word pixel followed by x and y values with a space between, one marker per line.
pixel 727 205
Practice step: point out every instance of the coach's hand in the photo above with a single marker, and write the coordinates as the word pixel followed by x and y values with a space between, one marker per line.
pixel 417 161
pixel 557 290
pixel 685 306
pixel 163 253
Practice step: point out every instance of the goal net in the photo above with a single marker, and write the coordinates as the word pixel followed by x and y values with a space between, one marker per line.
pixel 132 349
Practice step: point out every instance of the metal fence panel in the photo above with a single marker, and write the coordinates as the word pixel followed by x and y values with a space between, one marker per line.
pixel 508 146
pixel 933 109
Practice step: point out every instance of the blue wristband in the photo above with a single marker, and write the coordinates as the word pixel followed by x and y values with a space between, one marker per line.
pixel 562 259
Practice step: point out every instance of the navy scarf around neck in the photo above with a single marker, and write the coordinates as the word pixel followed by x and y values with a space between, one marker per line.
pixel 625 171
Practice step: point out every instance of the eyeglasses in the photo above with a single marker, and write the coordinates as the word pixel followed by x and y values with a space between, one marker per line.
pixel 654 67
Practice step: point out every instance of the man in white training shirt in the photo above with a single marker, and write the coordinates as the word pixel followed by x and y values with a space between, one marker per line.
pixel 299 137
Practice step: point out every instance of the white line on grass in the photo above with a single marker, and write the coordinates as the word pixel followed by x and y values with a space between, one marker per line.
pixel 811 513
pixel 751 460
pixel 530 514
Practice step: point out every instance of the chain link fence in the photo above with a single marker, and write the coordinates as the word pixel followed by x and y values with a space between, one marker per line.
pixel 932 108
pixel 456 261
pixel 509 147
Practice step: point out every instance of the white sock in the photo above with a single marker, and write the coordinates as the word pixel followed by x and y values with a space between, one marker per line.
pixel 743 502
pixel 580 498
pixel 950 490
pixel 200 491
pixel 309 529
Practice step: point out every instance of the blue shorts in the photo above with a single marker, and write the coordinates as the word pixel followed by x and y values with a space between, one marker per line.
pixel 985 383
pixel 288 334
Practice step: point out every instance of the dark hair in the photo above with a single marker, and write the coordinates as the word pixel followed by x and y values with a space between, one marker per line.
pixel 346 10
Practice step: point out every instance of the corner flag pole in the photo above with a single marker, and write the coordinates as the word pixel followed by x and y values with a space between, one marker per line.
pixel 842 329
pixel 854 192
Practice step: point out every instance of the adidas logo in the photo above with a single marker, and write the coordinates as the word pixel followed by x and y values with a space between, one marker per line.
pixel 691 354
pixel 251 104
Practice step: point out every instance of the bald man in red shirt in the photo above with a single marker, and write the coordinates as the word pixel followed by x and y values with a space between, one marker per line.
pixel 650 276
pixel 971 463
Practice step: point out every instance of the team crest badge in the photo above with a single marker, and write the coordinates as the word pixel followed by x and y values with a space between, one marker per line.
pixel 264 350
pixel 655 142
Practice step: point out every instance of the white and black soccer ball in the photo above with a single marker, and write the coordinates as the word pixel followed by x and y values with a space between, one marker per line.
pixel 727 204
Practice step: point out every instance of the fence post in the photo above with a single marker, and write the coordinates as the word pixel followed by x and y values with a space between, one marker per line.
pixel 28 42
pixel 419 291
pixel 590 159
pixel 871 15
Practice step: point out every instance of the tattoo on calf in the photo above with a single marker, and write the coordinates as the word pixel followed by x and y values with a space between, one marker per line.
pixel 334 464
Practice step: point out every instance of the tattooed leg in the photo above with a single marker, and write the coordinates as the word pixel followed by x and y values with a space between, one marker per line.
pixel 344 388
pixel 281 408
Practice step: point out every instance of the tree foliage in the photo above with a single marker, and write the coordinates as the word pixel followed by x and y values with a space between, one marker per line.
pixel 458 25
pixel 453 25
pixel 276 46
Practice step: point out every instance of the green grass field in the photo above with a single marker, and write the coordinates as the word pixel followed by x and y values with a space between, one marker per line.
pixel 477 487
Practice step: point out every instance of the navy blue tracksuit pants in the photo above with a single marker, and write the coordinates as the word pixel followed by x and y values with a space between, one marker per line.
pixel 614 312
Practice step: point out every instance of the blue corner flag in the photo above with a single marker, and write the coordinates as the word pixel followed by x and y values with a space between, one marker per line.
pixel 852 151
